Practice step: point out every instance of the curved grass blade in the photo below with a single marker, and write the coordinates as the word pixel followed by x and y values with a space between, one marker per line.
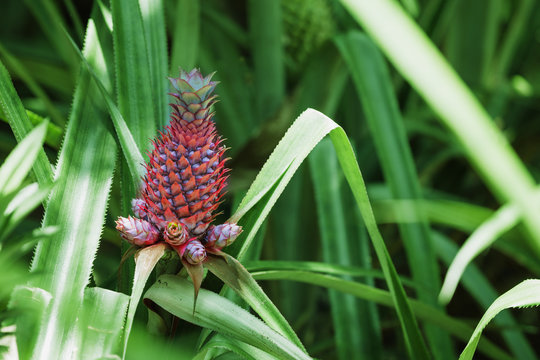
pixel 423 311
pixel 525 294
pixel 419 61
pixel 486 234
pixel 380 106
pixel 232 273
pixel 175 295
pixel 19 162
pixel 21 125
pixel 482 291
pixel 319 267
pixel 307 130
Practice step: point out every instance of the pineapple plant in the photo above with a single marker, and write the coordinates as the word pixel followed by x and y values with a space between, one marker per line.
pixel 185 179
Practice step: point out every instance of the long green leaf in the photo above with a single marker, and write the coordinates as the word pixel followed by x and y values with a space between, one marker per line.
pixel 525 294
pixel 232 273
pixel 21 125
pixel 307 130
pixel 423 311
pixel 338 248
pixel 380 106
pixel 175 295
pixel 77 206
pixel 419 61
pixel 267 49
pixel 156 44
pixel 186 33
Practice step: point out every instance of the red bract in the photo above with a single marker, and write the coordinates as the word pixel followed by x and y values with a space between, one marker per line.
pixel 185 178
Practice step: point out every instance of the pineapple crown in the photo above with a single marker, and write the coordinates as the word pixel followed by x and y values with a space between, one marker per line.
pixel 194 96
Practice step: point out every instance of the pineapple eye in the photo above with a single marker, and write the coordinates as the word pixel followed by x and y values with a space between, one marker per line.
pixel 174 227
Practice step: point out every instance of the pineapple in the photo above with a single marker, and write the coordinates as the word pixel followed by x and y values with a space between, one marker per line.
pixel 185 179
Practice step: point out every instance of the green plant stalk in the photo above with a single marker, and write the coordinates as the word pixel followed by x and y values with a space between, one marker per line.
pixel 337 248
pixel 380 106
pixel 156 45
pixel 267 48
pixel 77 206
pixel 185 40
pixel 419 61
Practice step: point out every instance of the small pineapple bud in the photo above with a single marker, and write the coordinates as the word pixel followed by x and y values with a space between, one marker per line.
pixel 175 233
pixel 136 231
pixel 195 252
pixel 222 235
pixel 139 207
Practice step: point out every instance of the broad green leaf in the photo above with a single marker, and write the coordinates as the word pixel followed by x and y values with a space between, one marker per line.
pixel 77 206
pixel 32 304
pixel 307 130
pixel 21 125
pixel 19 162
pixel 145 261
pixel 419 61
pixel 101 324
pixel 423 311
pixel 486 234
pixel 375 90
pixel 232 273
pixel 175 295
pixel 525 294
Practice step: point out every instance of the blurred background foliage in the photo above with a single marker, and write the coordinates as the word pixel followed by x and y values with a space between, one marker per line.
pixel 276 58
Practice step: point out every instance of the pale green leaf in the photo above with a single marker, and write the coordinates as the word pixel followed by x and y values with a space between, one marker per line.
pixel 217 313
pixel 525 294
pixel 486 234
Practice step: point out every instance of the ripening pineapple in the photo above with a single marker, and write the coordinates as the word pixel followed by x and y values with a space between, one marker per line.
pixel 185 179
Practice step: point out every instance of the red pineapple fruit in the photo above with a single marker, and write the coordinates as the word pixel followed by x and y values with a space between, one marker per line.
pixel 185 178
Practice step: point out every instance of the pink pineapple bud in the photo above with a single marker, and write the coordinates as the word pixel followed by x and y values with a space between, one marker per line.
pixel 195 252
pixel 175 233
pixel 139 207
pixel 136 231
pixel 222 235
